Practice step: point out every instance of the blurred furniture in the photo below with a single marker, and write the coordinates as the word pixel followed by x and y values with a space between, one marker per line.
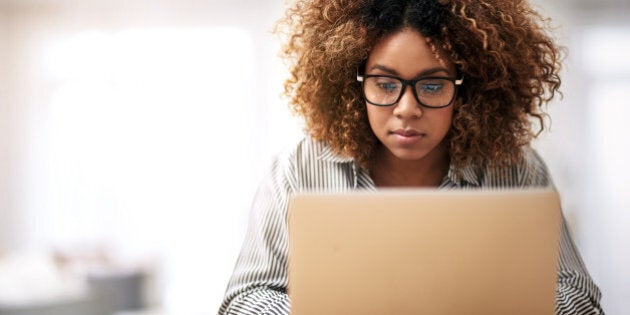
pixel 33 286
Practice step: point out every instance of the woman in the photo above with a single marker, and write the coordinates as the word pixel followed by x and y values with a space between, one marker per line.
pixel 418 93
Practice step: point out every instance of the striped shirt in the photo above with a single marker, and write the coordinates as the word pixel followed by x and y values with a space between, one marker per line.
pixel 258 284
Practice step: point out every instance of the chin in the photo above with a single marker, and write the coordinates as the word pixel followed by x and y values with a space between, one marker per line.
pixel 407 155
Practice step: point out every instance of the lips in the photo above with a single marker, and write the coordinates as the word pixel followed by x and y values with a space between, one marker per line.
pixel 408 137
pixel 408 133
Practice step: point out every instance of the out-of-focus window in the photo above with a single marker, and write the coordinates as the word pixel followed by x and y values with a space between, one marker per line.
pixel 148 149
pixel 606 83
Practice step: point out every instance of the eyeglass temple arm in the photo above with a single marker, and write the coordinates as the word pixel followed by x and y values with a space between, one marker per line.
pixel 359 76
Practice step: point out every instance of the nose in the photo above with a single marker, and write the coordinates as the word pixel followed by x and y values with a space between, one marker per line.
pixel 407 106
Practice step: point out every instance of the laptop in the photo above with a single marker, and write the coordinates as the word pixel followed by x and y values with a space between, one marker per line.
pixel 429 252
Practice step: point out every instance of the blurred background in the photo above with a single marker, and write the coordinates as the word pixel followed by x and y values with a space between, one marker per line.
pixel 133 135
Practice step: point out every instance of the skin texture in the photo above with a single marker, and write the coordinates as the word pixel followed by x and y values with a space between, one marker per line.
pixel 502 49
pixel 413 151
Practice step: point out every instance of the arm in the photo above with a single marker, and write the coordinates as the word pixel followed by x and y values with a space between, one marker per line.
pixel 576 294
pixel 258 284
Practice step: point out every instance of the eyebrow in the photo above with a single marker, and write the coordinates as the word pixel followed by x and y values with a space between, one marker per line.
pixel 420 74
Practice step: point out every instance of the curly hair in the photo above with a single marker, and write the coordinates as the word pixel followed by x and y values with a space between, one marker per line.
pixel 510 63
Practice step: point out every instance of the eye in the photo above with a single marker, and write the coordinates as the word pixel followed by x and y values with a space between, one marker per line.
pixel 387 85
pixel 430 88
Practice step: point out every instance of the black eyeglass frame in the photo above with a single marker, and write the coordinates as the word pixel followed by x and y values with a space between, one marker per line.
pixel 412 83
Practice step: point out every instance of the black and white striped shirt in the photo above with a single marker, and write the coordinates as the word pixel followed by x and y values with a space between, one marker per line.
pixel 258 284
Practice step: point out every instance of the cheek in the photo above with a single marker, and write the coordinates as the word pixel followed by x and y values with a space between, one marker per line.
pixel 449 118
pixel 377 116
pixel 444 119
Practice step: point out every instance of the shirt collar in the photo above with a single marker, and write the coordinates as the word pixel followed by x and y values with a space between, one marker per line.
pixel 462 176
pixel 328 155
pixel 467 174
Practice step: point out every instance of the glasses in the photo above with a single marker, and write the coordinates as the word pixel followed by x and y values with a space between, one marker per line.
pixel 431 92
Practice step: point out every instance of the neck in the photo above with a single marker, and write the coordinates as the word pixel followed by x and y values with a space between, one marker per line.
pixel 391 171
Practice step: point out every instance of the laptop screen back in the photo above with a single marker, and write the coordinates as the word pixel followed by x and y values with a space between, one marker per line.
pixel 424 252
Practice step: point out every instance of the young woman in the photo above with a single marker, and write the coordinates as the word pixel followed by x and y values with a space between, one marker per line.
pixel 417 93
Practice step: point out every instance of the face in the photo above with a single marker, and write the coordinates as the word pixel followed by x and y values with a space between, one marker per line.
pixel 407 130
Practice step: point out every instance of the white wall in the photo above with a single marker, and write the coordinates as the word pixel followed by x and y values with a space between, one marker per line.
pixel 11 228
pixel 6 139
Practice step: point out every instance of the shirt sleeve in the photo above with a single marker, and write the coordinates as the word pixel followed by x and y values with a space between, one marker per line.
pixel 576 293
pixel 259 281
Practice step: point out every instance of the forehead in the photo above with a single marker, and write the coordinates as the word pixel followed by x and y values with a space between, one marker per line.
pixel 408 52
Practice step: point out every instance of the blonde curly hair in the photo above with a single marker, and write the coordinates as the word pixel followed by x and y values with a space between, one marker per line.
pixel 502 48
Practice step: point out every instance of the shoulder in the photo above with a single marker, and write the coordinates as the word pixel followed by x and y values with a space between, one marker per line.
pixel 305 149
pixel 304 152
pixel 529 171
pixel 313 164
pixel 309 151
pixel 534 169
